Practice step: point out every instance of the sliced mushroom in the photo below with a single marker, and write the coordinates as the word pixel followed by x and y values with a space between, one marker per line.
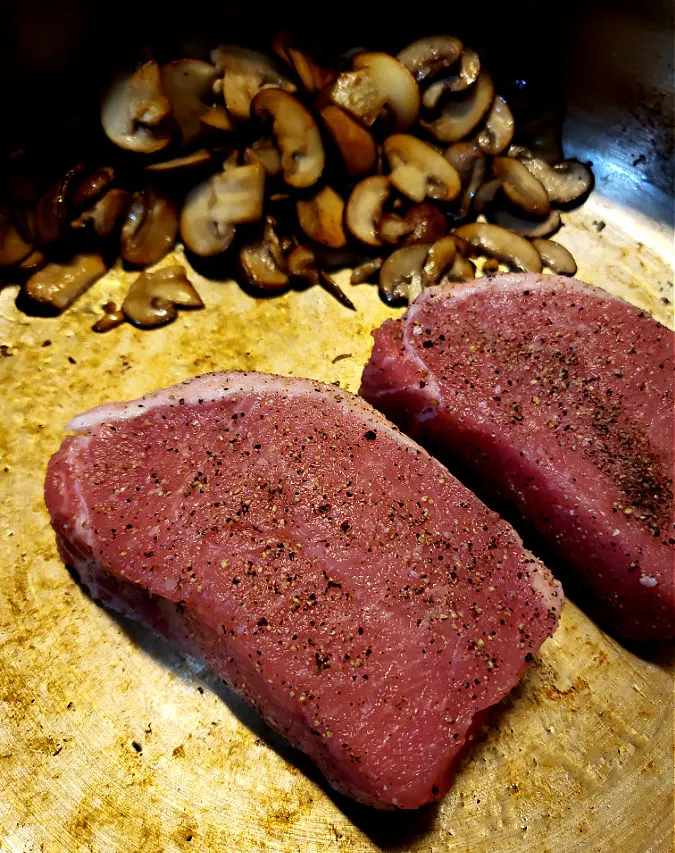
pixel 246 73
pixel 460 116
pixel 364 209
pixel 265 152
pixel 188 161
pixel 564 182
pixel 187 84
pixel 497 132
pixel 365 272
pixel 495 242
pixel 425 223
pixel 87 189
pixel 263 262
pixel 214 207
pixel 57 286
pixel 356 144
pixel 150 228
pixel 112 317
pixel 303 264
pixel 396 83
pixel 467 74
pixel 320 217
pixel 401 276
pixel 34 262
pixel 15 245
pixel 107 214
pixel 486 194
pixel 461 270
pixel 393 228
pixel 153 297
pixel 555 257
pixel 135 111
pixel 439 259
pixel 216 117
pixel 296 134
pixel 426 57
pixel 469 161
pixel 314 78
pixel 357 93
pixel 418 171
pixel 521 187
pixel 527 227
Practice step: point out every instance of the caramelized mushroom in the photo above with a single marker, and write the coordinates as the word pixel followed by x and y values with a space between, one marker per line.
pixel 418 171
pixel 112 317
pixel 364 209
pixel 216 117
pixel 497 132
pixel 467 74
pixel 426 224
pixel 469 161
pixel 57 285
pixel 356 144
pixel 366 271
pixel 246 73
pixel 187 161
pixel 462 115
pixel 135 110
pixel 320 217
pixel 358 94
pixel 187 83
pixel 296 134
pixel 153 297
pixel 303 264
pixel 439 259
pixel 401 276
pixel 263 261
pixel 313 77
pixel 265 152
pixel 106 214
pixel 396 84
pixel 525 226
pixel 495 242
pixel 564 182
pixel 555 257
pixel 150 228
pixel 521 187
pixel 426 57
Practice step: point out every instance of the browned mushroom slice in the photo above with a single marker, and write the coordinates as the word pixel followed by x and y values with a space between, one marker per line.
pixel 296 134
pixel 111 319
pixel 401 276
pixel 313 77
pixel 439 260
pixel 149 229
pixel 135 110
pixel 497 132
pixel 460 116
pixel 461 270
pixel 393 228
pixel 214 207
pixel 426 224
pixel 153 297
pixel 15 245
pixel 88 188
pixel 356 144
pixel 34 262
pixel 57 286
pixel 246 73
pixel 418 171
pixel 396 83
pixel 187 84
pixel 265 152
pixel 564 182
pixel 107 214
pixel 467 74
pixel 263 261
pixel 364 209
pixel 555 257
pixel 495 242
pixel 216 117
pixel 469 161
pixel 366 271
pixel 357 93
pixel 521 187
pixel 187 161
pixel 527 227
pixel 486 194
pixel 426 57
pixel 303 264
pixel 320 217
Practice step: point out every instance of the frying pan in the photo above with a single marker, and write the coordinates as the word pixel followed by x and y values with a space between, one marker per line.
pixel 110 740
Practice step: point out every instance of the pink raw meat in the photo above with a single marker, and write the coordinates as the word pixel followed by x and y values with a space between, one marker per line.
pixel 332 572
pixel 557 398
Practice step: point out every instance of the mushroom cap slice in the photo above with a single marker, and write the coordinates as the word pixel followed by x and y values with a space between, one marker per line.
pixel 134 111
pixel 265 152
pixel 401 276
pixel 467 74
pixel 57 286
pixel 187 161
pixel 469 161
pixel 106 215
pixel 150 228
pixel 246 73
pixel 320 217
pixel 564 182
pixel 521 187
pixel 296 134
pixel 364 208
pixel 505 246
pixel 439 259
pixel 313 77
pixel 497 132
pixel 426 57
pixel 263 262
pixel 524 226
pixel 303 264
pixel 555 257
pixel 426 224
pixel 357 93
pixel 460 116
pixel 187 83
pixel 216 117
pixel 418 171
pixel 366 271
pixel 153 297
pixel 396 83
pixel 356 144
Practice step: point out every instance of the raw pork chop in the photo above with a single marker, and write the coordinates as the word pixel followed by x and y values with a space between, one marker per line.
pixel 335 575
pixel 557 398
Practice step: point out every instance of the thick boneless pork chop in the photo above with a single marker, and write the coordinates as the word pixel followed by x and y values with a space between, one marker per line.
pixel 332 572
pixel 558 399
